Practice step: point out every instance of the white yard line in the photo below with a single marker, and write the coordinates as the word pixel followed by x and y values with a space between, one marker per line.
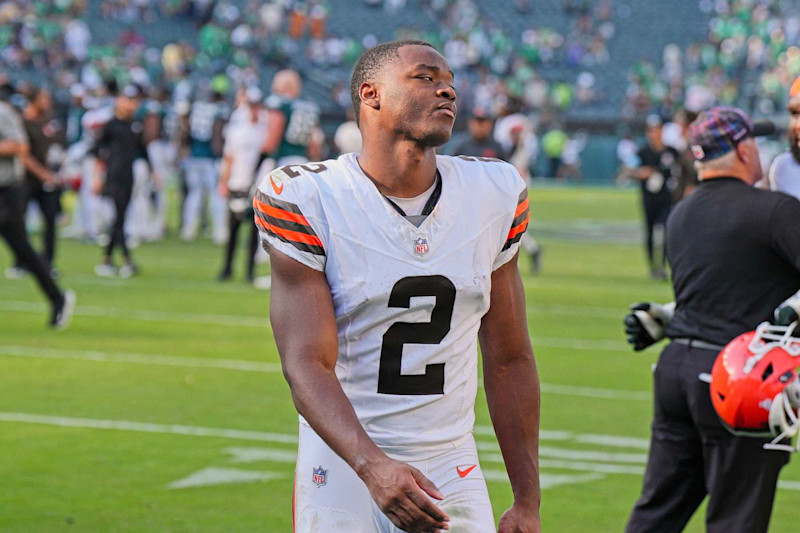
pixel 255 366
pixel 555 458
pixel 594 345
pixel 22 306
pixel 551 452
pixel 145 315
pixel 142 359
pixel 579 310
pixel 593 392
pixel 171 285
pixel 615 441
pixel 144 427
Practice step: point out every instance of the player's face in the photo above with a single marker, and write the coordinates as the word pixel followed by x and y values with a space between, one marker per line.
pixel 794 127
pixel 653 135
pixel 480 128
pixel 419 99
pixel 127 106
pixel 44 102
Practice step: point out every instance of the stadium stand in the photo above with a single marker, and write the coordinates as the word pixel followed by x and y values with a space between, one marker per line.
pixel 566 60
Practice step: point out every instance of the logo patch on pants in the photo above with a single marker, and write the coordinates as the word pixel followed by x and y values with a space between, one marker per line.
pixel 464 470
pixel 320 476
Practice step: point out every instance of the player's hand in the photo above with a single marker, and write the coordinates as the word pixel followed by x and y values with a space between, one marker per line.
pixel 645 324
pixel 788 311
pixel 222 189
pixel 401 492
pixel 519 520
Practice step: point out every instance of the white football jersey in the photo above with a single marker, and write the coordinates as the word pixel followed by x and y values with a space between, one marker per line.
pixel 784 174
pixel 408 300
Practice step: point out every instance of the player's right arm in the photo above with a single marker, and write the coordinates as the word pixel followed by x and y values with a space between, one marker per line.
pixel 304 326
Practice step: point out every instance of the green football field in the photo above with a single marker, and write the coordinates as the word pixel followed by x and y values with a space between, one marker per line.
pixel 162 407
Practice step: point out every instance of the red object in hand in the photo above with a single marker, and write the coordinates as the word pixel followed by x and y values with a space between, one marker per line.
pixel 749 374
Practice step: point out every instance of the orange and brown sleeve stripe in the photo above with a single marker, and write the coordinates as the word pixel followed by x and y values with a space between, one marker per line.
pixel 285 222
pixel 521 217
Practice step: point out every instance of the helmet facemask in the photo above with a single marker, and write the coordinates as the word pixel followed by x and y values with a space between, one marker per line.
pixel 783 419
pixel 755 386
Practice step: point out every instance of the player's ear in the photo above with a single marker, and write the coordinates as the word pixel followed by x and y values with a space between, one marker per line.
pixel 742 151
pixel 369 95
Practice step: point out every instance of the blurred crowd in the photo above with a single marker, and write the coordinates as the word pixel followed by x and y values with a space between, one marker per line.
pixel 236 43
pixel 749 58
pixel 117 150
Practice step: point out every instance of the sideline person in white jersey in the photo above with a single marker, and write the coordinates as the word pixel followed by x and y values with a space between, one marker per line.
pixel 388 267
pixel 784 172
pixel 244 136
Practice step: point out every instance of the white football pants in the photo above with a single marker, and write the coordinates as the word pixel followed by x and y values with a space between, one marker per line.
pixel 201 177
pixel 329 497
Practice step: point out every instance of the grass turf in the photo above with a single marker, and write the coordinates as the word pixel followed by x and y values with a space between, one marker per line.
pixel 99 422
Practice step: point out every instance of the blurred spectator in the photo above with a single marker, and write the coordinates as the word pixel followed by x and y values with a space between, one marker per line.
pixel 41 183
pixel 515 134
pixel 477 140
pixel 243 141
pixel 120 144
pixel 292 121
pixel 348 137
pixel 553 143
pixel 571 157
pixel 687 176
pixel 206 121
pixel 627 157
pixel 13 149
pixel 659 166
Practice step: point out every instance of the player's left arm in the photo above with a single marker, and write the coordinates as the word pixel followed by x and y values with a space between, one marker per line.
pixel 512 389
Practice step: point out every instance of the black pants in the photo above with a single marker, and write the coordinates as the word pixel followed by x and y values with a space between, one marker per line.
pixel 655 215
pixel 12 229
pixel 692 455
pixel 235 220
pixel 49 203
pixel 121 200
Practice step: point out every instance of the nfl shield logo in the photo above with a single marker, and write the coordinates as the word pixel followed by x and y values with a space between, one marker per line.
pixel 320 476
pixel 421 246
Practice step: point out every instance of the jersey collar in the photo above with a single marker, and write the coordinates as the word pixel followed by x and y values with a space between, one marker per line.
pixel 394 225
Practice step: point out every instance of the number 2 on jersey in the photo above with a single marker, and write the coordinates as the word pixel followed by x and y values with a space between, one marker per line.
pixel 391 380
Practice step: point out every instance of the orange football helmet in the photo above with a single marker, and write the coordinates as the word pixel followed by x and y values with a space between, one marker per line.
pixel 755 387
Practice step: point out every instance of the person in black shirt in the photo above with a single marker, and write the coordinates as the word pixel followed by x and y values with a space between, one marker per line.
pixel 658 170
pixel 687 177
pixel 120 144
pixel 734 251
pixel 478 140
pixel 13 150
pixel 41 184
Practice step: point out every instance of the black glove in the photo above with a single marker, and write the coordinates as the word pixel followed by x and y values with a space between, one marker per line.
pixel 644 325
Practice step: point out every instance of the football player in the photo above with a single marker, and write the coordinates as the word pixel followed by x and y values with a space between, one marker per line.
pixel 292 121
pixel 784 172
pixel 388 268
pixel 206 122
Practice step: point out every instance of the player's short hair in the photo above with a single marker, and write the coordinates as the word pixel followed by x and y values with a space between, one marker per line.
pixel 370 64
